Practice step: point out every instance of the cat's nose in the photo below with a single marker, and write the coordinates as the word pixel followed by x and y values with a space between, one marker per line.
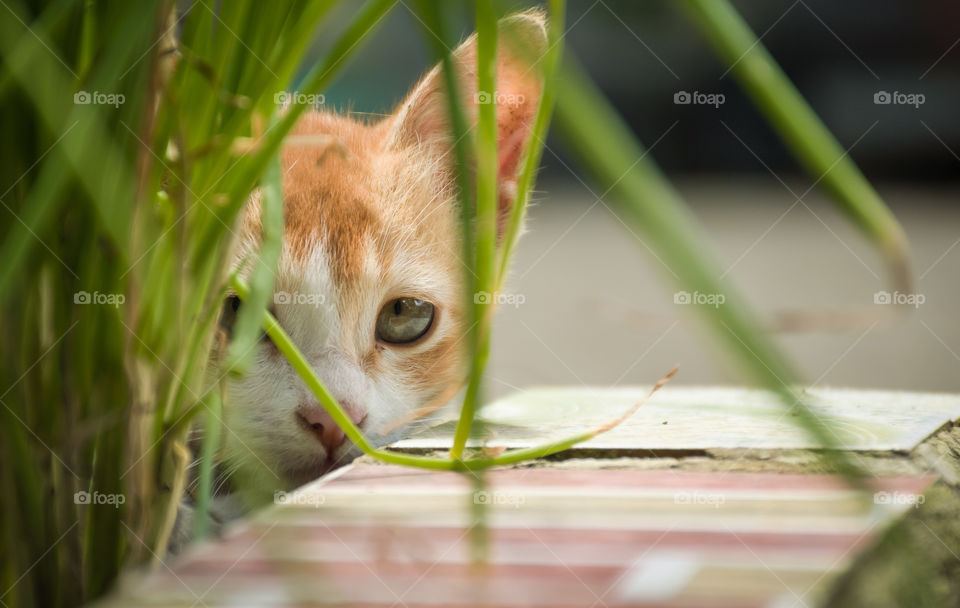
pixel 316 420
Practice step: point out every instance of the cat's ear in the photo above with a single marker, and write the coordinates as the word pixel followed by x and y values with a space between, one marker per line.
pixel 422 119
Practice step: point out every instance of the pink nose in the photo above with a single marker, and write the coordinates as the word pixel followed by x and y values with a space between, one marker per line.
pixel 316 420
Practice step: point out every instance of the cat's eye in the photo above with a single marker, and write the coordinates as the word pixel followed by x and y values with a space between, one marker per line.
pixel 404 320
pixel 228 314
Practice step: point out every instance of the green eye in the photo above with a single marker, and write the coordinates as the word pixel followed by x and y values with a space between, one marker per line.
pixel 404 320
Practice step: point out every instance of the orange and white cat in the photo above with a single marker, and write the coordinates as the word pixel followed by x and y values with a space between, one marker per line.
pixel 370 280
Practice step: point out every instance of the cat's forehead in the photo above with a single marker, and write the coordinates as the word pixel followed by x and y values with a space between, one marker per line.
pixel 332 191
pixel 369 209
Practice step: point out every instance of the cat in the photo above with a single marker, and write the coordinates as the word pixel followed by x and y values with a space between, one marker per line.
pixel 370 283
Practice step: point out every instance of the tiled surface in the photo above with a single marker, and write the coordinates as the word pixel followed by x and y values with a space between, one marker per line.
pixel 387 536
pixel 689 418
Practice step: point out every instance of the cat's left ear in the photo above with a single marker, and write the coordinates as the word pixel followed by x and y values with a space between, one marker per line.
pixel 422 120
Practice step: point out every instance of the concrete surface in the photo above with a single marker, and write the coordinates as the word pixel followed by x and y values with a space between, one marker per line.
pixel 682 419
pixel 598 309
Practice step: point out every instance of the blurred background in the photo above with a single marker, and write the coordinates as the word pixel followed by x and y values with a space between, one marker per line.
pixel 598 307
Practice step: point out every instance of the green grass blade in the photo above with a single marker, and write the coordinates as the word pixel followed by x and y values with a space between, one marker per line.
pixel 244 174
pixel 211 442
pixel 485 223
pixel 286 346
pixel 246 331
pixel 39 208
pixel 802 131
pixel 604 145
pixel 534 151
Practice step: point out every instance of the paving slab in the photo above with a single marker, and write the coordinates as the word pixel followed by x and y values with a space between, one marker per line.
pixel 690 418
pixel 607 530
pixel 382 536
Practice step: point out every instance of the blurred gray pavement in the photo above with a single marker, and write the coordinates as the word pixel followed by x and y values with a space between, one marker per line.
pixel 598 308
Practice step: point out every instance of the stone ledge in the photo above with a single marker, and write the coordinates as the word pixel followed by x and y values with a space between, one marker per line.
pixel 623 523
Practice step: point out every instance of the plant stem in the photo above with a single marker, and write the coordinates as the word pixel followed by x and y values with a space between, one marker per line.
pixel 211 441
pixel 485 145
pixel 534 150
pixel 262 273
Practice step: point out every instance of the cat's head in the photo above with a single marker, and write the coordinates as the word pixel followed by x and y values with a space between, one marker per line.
pixel 370 284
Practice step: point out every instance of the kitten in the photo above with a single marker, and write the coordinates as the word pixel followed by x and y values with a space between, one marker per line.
pixel 370 280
